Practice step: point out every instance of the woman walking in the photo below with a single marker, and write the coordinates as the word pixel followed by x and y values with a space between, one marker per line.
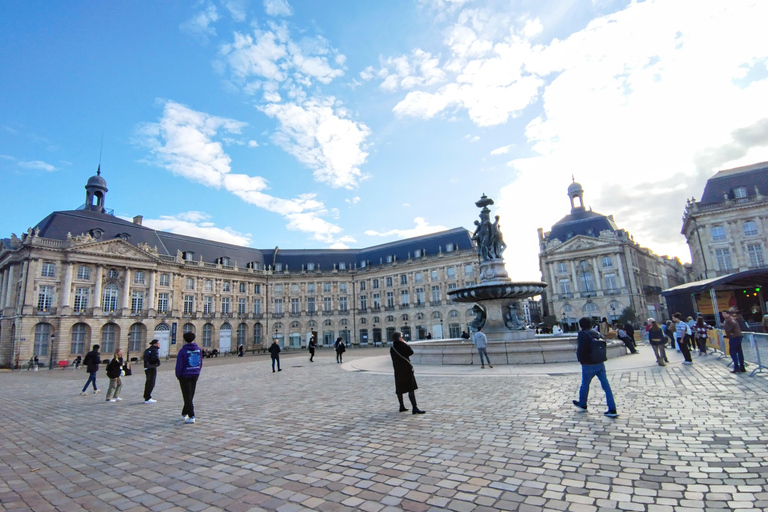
pixel 657 339
pixel 114 372
pixel 405 381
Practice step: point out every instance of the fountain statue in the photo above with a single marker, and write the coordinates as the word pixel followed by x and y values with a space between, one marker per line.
pixel 498 311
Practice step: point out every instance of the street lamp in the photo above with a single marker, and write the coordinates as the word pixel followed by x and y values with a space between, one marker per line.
pixel 407 332
pixel 50 363
pixel 374 334
pixel 442 332
pixel 564 320
pixel 613 314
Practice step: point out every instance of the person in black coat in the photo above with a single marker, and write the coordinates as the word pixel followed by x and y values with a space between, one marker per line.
pixel 151 362
pixel 312 346
pixel 92 361
pixel 405 381
pixel 340 349
pixel 274 351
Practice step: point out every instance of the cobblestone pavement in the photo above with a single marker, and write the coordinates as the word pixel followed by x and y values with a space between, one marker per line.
pixel 319 437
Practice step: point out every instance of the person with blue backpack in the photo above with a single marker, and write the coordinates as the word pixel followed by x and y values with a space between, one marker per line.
pixel 189 362
pixel 591 352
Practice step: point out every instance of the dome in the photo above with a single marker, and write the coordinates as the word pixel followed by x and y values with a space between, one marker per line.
pixel 96 181
pixel 575 189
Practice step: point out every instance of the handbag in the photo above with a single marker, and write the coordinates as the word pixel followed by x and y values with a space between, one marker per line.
pixel 127 370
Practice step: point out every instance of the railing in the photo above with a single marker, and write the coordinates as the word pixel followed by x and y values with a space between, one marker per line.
pixel 754 345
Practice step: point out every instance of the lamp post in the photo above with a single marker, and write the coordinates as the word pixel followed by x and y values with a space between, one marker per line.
pixel 50 363
pixel 564 320
pixel 407 332
pixel 442 332
pixel 374 334
pixel 613 314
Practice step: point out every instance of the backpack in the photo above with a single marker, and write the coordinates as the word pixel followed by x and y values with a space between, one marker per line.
pixel 598 350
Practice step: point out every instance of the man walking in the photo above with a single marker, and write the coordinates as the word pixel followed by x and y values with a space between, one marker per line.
pixel 92 361
pixel 189 362
pixel 481 344
pixel 591 353
pixel 682 331
pixel 274 352
pixel 734 335
pixel 151 362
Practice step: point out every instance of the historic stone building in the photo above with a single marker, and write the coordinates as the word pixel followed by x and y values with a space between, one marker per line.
pixel 726 230
pixel 595 269
pixel 84 276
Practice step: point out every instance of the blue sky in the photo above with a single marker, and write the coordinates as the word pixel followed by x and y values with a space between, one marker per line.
pixel 306 124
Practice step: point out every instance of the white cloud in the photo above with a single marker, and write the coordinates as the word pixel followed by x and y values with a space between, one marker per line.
pixel 201 23
pixel 237 9
pixel 277 8
pixel 352 201
pixel 422 228
pixel 256 55
pixel 35 165
pixel 501 150
pixel 323 138
pixel 472 138
pixel 196 224
pixel 183 142
pixel 419 69
pixel 253 144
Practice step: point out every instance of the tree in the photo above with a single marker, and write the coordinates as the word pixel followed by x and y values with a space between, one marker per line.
pixel 550 321
pixel 627 316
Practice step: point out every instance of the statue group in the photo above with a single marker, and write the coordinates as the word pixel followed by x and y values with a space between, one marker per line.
pixel 487 235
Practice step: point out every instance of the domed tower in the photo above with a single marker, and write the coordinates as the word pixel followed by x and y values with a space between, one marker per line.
pixel 95 190
pixel 576 192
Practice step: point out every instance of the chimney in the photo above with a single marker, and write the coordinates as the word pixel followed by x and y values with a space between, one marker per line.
pixel 137 219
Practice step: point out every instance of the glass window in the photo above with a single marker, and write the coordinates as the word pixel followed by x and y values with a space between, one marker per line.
pixel 310 305
pixel 208 285
pixel 242 306
pixel 587 282
pixel 79 333
pixel 241 330
pixel 404 297
pixel 326 287
pixel 718 233
pixel 562 268
pixel 310 266
pixel 435 294
pixel 137 302
pixel 750 228
pixel 257 334
pixel 310 288
pixel 256 306
pixel 468 270
pixel 607 262
pixel 226 286
pixel 295 306
pixel 449 247
pixel 42 339
pixel 451 273
pixel 278 288
pixel 403 279
pixel 740 192
pixel 242 287
pixel 756 258
pixel 257 289
pixel 723 257
pixel 165 280
pixel 207 335
pixel 363 302
pixel 610 282
pixel 327 306
pixel 45 298
pixel 342 303
pixel 278 306
pixel 112 273
pixel 135 338
pixel 418 277
pixel 389 282
pixel 434 275
pixel 109 302
pixel 138 277
pixel 342 266
pixel 419 296
pixel 81 298
pixel 48 269
pixel 189 304
pixel 376 301
pixel 375 284
pixel 390 299
pixel 294 288
pixel 84 273
pixel 362 286
pixel 162 303
pixel 278 267
pixel 189 283
pixel 226 305
pixel 208 305
pixel 565 287
pixel 108 337
pixel 342 287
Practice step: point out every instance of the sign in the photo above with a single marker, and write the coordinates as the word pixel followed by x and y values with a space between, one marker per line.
pixel 725 301
pixel 173 333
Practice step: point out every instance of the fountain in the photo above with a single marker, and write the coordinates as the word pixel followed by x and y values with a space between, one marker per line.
pixel 498 311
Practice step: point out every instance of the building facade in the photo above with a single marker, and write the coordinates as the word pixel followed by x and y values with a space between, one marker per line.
pixel 595 269
pixel 726 230
pixel 84 277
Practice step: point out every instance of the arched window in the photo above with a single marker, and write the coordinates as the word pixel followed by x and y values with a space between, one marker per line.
pixel 136 338
pixel 295 325
pixel 188 328
pixel 108 338
pixel 42 339
pixel 207 335
pixel 344 321
pixel 435 314
pixel 419 316
pixel 376 320
pixel 453 313
pixel 590 307
pixel 109 302
pixel 241 332
pixel 404 318
pixel 363 321
pixel 162 327
pixel 469 312
pixel 327 323
pixel 311 323
pixel 390 318
pixel 79 338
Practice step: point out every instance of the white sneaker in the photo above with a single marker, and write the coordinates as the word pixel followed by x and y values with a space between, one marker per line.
pixel 687 362
pixel 95 391
pixel 118 399
pixel 111 400
pixel 84 393
pixel 190 420
pixel 184 417
pixel 150 401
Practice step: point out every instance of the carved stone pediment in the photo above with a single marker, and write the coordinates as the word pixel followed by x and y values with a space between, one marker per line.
pixel 112 248
pixel 580 243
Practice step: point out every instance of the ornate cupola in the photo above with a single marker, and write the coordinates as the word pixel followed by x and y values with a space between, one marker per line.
pixel 576 192
pixel 95 191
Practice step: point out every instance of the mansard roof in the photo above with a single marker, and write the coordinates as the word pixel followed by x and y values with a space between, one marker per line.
pixel 725 182
pixel 581 222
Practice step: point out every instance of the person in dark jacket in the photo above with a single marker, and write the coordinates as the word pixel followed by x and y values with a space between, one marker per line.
pixel 405 381
pixel 657 339
pixel 114 372
pixel 312 346
pixel 734 335
pixel 92 361
pixel 274 351
pixel 592 366
pixel 151 362
pixel 340 349
pixel 189 362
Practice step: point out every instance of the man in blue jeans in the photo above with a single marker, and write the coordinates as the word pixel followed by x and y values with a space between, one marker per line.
pixel 591 353
pixel 481 344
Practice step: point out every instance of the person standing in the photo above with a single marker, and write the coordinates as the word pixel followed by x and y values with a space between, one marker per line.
pixel 405 380
pixel 700 331
pixel 734 335
pixel 592 354
pixel 657 339
pixel 481 344
pixel 681 332
pixel 114 372
pixel 92 361
pixel 312 347
pixel 274 351
pixel 189 362
pixel 151 362
pixel 76 363
pixel 340 349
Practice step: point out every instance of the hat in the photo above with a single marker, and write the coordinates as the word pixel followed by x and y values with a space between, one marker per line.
pixel 650 320
pixel 189 337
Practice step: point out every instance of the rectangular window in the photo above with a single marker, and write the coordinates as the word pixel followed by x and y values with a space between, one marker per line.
pixel 451 272
pixel 342 266
pixel 84 273
pixel 257 289
pixel 376 301
pixel 242 306
pixel 750 228
pixel 723 257
pixel 189 304
pixel 362 286
pixel 310 305
pixel 565 287
pixel 342 303
pixel 226 305
pixel 756 258
pixel 435 294
pixel 295 306
pixel 310 288
pixel 363 302
pixel 189 283
pixel 81 299
pixel 278 267
pixel 162 303
pixel 342 287
pixel 419 296
pixel 294 288
pixel 242 287
pixel 256 306
pixel 278 288
pixel 137 302
pixel 226 286
pixel 208 285
pixel 468 270
pixel 390 299
pixel 375 284
pixel 207 305
pixel 403 279
pixel 610 282
pixel 49 269
pixel 208 335
pixel 607 262
pixel 418 277
pixel 433 275
pixel 327 305
pixel 452 286
pixel 138 277
pixel 389 282
pixel 562 268
pixel 326 287
pixel 45 298
pixel 279 306
pixel 165 280
pixel 718 233
pixel 404 297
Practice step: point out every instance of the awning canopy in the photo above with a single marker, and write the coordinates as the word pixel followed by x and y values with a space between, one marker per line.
pixel 731 281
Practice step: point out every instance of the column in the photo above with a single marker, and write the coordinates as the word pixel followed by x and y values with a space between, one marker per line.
pixel 151 298
pixel 9 285
pixel 3 284
pixel 575 279
pixel 97 287
pixel 66 288
pixel 126 302
pixel 28 288
pixel 620 266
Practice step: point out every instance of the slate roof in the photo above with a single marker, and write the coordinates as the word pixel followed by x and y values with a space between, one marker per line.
pixel 581 222
pixel 724 182
pixel 58 225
